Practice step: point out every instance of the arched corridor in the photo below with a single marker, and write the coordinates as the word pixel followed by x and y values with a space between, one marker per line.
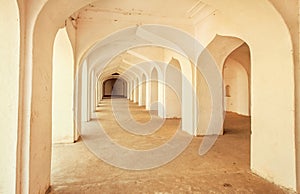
pixel 143 73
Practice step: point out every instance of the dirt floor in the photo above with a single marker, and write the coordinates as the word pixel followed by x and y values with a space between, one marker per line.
pixel 224 169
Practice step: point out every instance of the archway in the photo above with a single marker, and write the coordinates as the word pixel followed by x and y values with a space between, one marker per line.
pixel 154 90
pixel 136 90
pixel 114 88
pixel 237 88
pixel 108 87
pixel 173 90
pixel 62 93
pixel 142 89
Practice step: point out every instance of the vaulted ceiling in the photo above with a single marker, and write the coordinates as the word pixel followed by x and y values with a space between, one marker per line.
pixel 182 10
pixel 139 12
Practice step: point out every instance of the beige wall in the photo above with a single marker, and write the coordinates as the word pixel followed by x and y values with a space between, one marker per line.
pixel 9 84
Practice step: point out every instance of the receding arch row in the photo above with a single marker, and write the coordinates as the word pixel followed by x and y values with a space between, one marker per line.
pixel 36 127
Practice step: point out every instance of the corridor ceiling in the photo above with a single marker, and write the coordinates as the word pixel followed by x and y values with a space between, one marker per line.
pixel 189 12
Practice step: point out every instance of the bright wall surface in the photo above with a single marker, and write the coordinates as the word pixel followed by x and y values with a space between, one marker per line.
pixel 173 90
pixel 271 64
pixel 62 89
pixel 236 87
pixel 9 84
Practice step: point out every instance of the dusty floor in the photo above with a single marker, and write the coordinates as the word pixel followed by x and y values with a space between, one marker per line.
pixel 224 169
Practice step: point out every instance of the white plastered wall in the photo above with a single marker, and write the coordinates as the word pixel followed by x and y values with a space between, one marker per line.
pixel 9 84
pixel 173 90
pixel 154 89
pixel 187 90
pixel 237 87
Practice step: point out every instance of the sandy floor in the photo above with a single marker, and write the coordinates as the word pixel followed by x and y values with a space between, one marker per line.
pixel 224 169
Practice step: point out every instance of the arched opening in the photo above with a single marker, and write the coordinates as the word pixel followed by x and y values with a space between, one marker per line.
pixel 136 91
pixel 114 88
pixel 154 90
pixel 62 93
pixel 142 101
pixel 237 87
pixel 132 90
pixel 236 77
pixel 173 89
